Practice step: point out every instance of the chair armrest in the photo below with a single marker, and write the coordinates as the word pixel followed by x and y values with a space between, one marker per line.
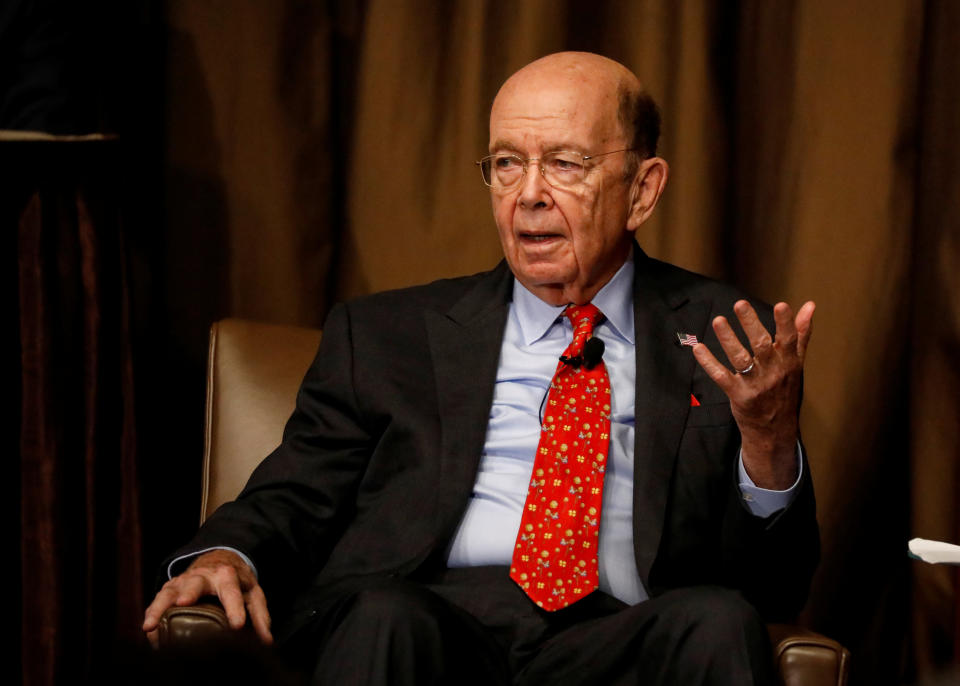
pixel 184 626
pixel 806 658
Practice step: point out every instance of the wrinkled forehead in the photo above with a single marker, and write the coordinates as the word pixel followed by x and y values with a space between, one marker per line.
pixel 554 106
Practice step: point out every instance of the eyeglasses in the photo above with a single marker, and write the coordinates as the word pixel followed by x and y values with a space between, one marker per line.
pixel 560 169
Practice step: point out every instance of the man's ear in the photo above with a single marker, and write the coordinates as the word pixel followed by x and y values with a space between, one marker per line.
pixel 645 189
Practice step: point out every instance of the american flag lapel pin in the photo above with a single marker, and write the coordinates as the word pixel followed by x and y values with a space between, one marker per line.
pixel 687 339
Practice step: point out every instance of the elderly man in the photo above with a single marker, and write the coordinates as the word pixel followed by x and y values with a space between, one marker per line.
pixel 451 503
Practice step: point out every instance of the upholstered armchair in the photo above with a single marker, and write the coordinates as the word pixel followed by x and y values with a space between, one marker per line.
pixel 253 373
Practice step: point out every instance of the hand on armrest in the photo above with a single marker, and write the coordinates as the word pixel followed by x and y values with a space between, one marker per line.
pixel 220 573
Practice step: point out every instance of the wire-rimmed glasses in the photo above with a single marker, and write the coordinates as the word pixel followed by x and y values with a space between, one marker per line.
pixel 560 168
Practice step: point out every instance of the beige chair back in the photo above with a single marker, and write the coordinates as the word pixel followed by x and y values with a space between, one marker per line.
pixel 253 373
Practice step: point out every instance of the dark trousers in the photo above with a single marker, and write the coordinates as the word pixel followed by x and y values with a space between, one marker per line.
pixel 475 626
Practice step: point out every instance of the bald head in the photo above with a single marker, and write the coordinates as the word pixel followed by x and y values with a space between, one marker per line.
pixel 612 90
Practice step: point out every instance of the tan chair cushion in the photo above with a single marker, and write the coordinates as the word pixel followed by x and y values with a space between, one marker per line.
pixel 253 373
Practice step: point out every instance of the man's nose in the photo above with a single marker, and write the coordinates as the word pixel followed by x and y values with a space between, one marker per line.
pixel 534 189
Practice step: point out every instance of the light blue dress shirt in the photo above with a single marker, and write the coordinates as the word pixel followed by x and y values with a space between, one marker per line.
pixel 536 335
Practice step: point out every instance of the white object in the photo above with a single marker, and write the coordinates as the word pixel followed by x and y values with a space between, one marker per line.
pixel 934 552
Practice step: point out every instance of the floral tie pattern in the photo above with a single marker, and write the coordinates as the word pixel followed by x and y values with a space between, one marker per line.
pixel 555 557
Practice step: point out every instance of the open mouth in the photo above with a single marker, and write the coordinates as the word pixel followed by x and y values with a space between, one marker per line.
pixel 538 237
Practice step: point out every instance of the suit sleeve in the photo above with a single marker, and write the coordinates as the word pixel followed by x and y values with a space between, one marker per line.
pixel 296 503
pixel 772 559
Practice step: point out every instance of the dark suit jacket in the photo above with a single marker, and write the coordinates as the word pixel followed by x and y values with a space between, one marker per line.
pixel 379 458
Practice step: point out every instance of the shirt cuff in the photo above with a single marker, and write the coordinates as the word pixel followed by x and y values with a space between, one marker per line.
pixel 763 502
pixel 177 565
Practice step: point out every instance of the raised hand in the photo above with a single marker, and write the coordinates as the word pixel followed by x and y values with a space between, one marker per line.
pixel 764 387
pixel 220 573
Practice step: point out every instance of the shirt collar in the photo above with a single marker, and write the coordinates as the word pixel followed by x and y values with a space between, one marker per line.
pixel 615 300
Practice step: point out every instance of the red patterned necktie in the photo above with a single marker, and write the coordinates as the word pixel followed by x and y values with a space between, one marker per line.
pixel 555 558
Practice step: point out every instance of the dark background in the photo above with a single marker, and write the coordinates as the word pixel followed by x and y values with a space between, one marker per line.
pixel 272 158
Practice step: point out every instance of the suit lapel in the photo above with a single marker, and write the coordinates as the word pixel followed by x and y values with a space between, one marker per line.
pixel 465 350
pixel 664 381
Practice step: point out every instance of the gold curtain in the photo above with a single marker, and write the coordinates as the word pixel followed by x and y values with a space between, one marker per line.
pixel 319 151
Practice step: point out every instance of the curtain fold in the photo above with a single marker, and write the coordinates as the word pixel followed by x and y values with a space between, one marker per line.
pixel 80 542
pixel 934 339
